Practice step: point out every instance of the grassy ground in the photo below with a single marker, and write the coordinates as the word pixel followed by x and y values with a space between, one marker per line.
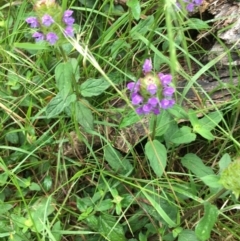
pixel 168 185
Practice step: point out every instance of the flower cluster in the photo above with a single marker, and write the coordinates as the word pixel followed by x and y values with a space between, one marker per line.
pixel 49 16
pixel 153 92
pixel 190 4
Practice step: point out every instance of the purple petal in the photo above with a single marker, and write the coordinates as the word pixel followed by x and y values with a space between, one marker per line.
pixel 136 99
pixel 147 108
pixel 47 20
pixel 52 38
pixel 165 104
pixel 156 111
pixel 147 66
pixel 153 101
pixel 165 78
pixel 139 110
pixel 190 7
pixel 68 20
pixel 168 91
pixel 67 13
pixel 33 22
pixel 38 36
pixel 198 2
pixel 134 87
pixel 152 89
pixel 69 31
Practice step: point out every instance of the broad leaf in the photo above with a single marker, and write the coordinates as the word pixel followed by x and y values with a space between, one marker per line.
pixel 84 114
pixel 64 74
pixel 194 164
pixel 93 87
pixel 187 235
pixel 135 7
pixel 110 228
pixel 212 181
pixel 58 103
pixel 157 156
pixel 205 225
pixel 224 162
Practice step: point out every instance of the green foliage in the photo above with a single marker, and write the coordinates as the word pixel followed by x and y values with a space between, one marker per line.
pixel 65 112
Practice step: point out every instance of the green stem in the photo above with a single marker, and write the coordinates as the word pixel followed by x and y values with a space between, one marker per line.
pixel 154 126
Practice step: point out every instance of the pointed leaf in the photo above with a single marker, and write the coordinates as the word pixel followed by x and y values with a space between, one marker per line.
pixel 157 156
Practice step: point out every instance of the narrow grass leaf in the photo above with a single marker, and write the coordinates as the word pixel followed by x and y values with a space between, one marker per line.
pixel 93 87
pixel 194 164
pixel 31 46
pixel 205 225
pixel 157 156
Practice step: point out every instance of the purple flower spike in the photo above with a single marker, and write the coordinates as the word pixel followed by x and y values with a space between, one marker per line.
pixel 33 22
pixel 69 31
pixel 52 38
pixel 168 91
pixel 147 66
pixel 38 36
pixel 152 89
pixel 137 99
pixel 47 20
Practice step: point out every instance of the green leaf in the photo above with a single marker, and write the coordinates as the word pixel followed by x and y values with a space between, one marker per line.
pixel 183 135
pixel 84 114
pixel 110 228
pixel 116 161
pixel 197 23
pixel 211 120
pixel 4 207
pixel 194 164
pixel 47 183
pixel 31 46
pixel 131 118
pixel 118 45
pixel 157 156
pixel 75 67
pixel 104 205
pixel 93 87
pixel 57 104
pixel 34 187
pixel 224 162
pixel 205 225
pixel 142 27
pixel 187 235
pixel 64 74
pixel 12 137
pixel 162 123
pixel 212 181
pixel 135 7
pixel 203 132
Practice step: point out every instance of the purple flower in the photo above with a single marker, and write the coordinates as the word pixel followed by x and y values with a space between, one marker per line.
pixel 147 66
pixel 51 38
pixel 136 99
pixel 67 19
pixel 69 31
pixel 33 22
pixel 134 87
pixel 147 108
pixel 165 78
pixel 153 101
pixel 168 91
pixel 165 103
pixel 190 7
pixel 38 36
pixel 67 13
pixel 152 89
pixel 47 20
pixel 198 2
